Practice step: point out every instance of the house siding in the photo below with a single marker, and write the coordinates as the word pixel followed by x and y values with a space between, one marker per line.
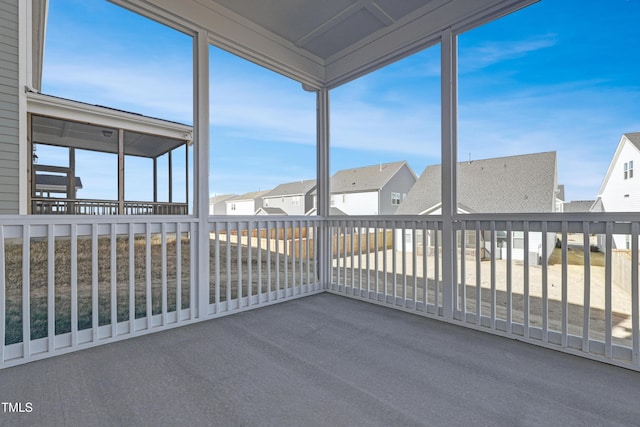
pixel 286 204
pixel 623 195
pixel 401 183
pixel 364 203
pixel 9 108
pixel 243 207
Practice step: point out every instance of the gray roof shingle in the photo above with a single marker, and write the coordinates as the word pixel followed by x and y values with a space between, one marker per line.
pixel 47 181
pixel 523 183
pixel 578 206
pixel 367 178
pixel 292 188
pixel 634 138
pixel 253 195
pixel 272 211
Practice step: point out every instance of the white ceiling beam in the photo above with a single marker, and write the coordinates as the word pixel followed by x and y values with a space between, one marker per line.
pixel 408 35
pixel 238 35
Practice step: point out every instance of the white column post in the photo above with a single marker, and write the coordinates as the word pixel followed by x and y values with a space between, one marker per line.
pixel 120 172
pixel 25 78
pixel 323 256
pixel 449 93
pixel 201 165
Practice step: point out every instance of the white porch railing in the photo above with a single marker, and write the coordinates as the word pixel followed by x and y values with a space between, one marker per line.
pixel 75 282
pixel 72 282
pixel 510 278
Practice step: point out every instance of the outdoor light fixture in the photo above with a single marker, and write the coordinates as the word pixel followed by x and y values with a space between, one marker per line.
pixel 107 133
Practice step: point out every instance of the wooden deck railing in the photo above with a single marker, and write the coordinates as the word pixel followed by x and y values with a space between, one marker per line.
pixel 55 206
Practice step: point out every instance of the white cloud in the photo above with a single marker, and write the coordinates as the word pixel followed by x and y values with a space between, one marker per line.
pixel 483 55
pixel 145 87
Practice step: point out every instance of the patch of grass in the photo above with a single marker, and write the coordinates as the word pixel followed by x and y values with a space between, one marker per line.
pixel 576 257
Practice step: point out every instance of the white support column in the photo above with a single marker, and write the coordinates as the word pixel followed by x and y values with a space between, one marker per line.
pixel 201 164
pixel 24 79
pixel 449 93
pixel 322 188
pixel 121 172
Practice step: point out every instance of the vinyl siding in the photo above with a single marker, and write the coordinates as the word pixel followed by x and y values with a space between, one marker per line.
pixel 9 112
pixel 365 203
pixel 620 194
pixel 400 183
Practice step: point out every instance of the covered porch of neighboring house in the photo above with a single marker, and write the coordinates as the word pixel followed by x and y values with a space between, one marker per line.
pixel 73 126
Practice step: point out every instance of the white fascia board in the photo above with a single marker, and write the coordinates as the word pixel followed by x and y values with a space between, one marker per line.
pixel 38 33
pixel 237 35
pixel 408 35
pixel 612 163
pixel 93 114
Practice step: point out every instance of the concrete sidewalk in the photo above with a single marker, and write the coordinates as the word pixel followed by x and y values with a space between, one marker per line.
pixel 323 360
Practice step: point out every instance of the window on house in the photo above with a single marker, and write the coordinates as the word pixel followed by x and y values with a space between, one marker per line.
pixel 395 198
pixel 266 203
pixel 630 168
pixel 518 240
pixel 625 170
pixel 233 206
pixel 295 201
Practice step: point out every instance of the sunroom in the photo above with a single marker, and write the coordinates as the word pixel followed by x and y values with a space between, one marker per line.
pixel 79 281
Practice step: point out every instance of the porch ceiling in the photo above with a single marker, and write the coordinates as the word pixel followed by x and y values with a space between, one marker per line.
pixel 65 133
pixel 329 42
pixel 66 123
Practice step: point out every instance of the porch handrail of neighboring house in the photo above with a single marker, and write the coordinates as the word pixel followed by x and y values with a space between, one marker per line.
pixel 61 206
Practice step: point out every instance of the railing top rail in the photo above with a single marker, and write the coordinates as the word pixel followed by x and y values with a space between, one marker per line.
pixel 262 218
pixel 535 216
pixel 553 217
pixel 8 220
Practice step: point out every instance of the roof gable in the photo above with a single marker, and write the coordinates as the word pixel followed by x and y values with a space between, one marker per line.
pixel 524 183
pixel 367 178
pixel 251 196
pixel 296 188
pixel 630 138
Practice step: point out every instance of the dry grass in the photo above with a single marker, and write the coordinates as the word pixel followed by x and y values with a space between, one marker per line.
pixel 39 279
pixel 576 257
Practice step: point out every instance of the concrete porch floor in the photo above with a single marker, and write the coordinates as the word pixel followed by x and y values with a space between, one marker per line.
pixel 323 360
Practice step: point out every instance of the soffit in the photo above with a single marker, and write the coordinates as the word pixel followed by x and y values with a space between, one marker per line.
pixel 328 42
pixel 66 123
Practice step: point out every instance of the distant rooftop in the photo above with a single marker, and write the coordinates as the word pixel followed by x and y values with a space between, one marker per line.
pixel 367 178
pixel 523 183
pixel 292 188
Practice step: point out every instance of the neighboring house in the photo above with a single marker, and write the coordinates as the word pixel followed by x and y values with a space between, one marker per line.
pixel 245 204
pixel 620 189
pixel 217 205
pixel 371 190
pixel 578 206
pixel 292 198
pixel 47 184
pixel 560 198
pixel 516 184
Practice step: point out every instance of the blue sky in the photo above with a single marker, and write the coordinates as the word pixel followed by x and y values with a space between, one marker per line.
pixel 559 75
